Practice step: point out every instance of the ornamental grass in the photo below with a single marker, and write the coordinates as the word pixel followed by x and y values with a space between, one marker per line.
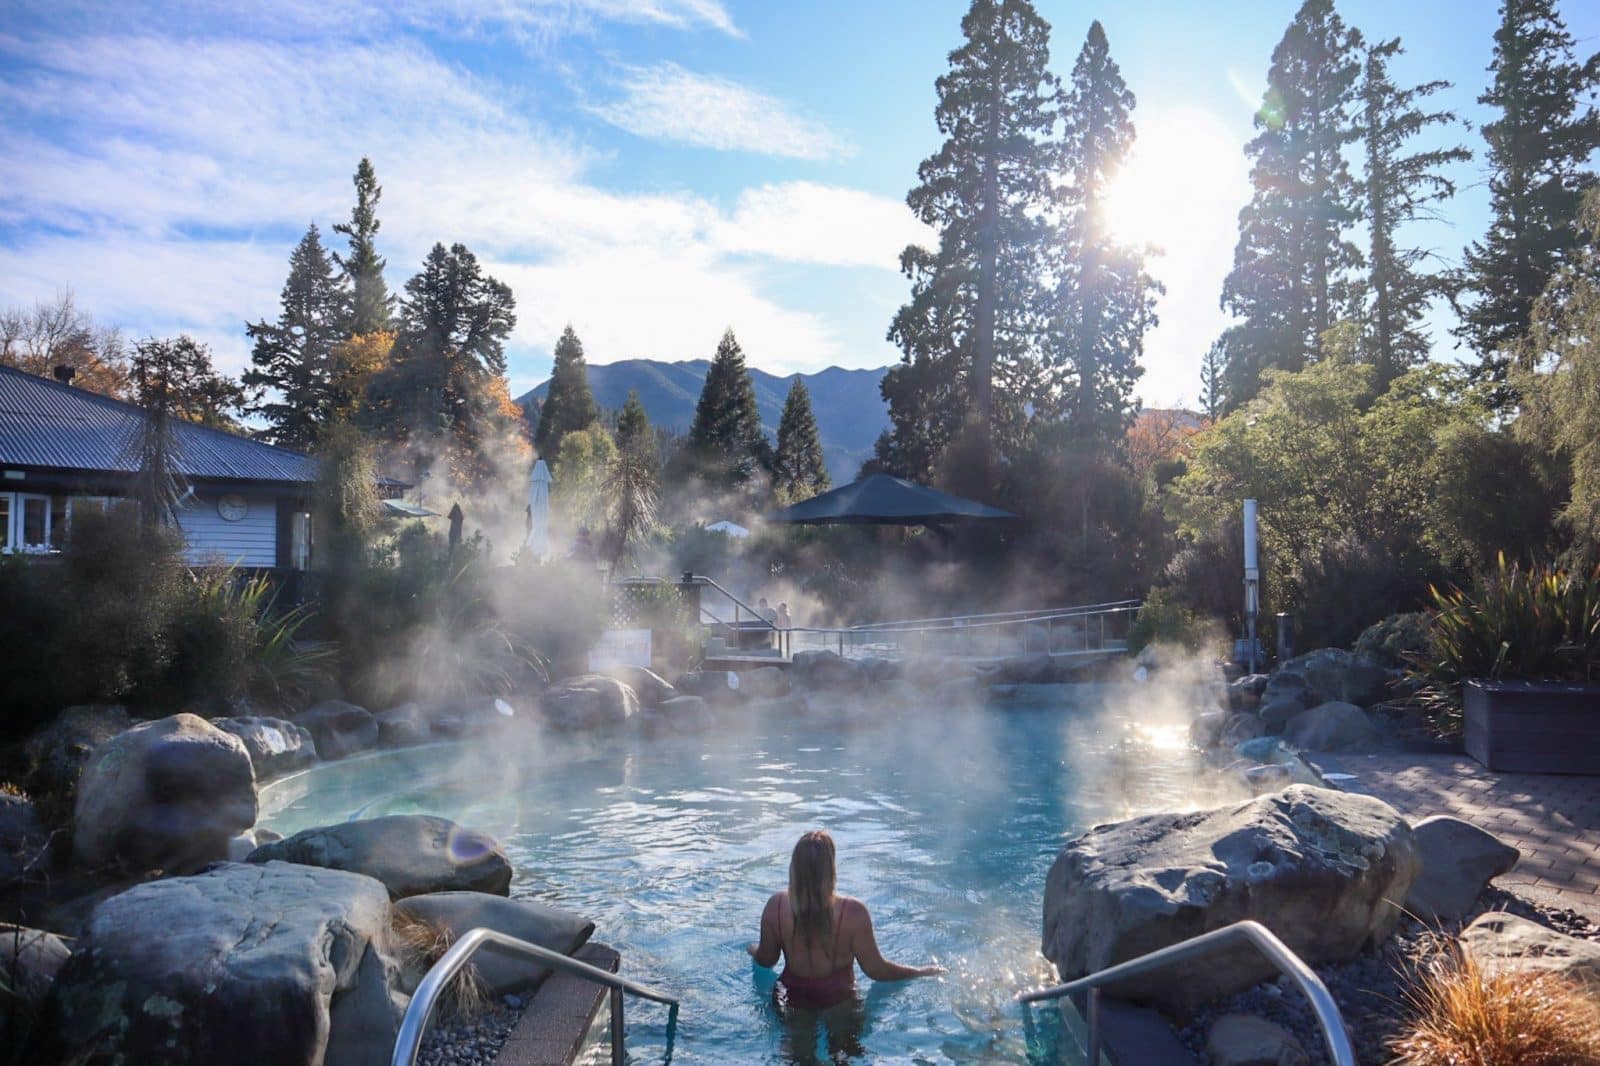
pixel 1468 1014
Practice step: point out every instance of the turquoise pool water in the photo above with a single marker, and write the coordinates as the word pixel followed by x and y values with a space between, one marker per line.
pixel 946 819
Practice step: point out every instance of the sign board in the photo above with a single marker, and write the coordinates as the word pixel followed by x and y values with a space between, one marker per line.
pixel 620 647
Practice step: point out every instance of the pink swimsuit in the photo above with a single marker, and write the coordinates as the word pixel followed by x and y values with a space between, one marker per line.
pixel 818 992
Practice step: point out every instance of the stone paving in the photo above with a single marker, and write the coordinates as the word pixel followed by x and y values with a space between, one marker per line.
pixel 1553 818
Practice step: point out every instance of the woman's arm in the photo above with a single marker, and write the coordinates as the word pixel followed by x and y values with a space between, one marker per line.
pixel 865 945
pixel 766 952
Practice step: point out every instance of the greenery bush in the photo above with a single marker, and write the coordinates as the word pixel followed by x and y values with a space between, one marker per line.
pixel 1534 623
pixel 1398 640
pixel 119 618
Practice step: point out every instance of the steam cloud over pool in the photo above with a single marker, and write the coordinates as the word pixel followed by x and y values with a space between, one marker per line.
pixel 947 821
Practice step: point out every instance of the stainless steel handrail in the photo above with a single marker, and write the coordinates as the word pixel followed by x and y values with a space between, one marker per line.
pixel 1015 616
pixel 438 977
pixel 1253 933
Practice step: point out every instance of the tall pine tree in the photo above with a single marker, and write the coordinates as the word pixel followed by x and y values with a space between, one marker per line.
pixel 1212 365
pixel 1402 185
pixel 371 306
pixel 568 403
pixel 1104 300
pixel 291 375
pixel 971 331
pixel 1539 147
pixel 445 386
pixel 1293 265
pixel 633 426
pixel 799 471
pixel 726 444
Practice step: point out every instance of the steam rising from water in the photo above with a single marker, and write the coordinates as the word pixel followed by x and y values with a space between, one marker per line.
pixel 947 818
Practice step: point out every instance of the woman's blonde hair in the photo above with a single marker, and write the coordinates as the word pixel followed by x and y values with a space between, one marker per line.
pixel 811 883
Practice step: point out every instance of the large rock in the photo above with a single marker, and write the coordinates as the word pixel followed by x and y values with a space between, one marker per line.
pixel 651 688
pixel 58 752
pixel 681 714
pixel 1246 1040
pixel 720 687
pixel 1329 675
pixel 764 683
pixel 1332 727
pixel 1244 694
pixel 1458 862
pixel 458 913
pixel 1205 731
pixel 589 701
pixel 929 672
pixel 410 853
pixel 404 726
pixel 30 960
pixel 276 746
pixel 165 795
pixel 1506 942
pixel 1283 708
pixel 274 964
pixel 1035 669
pixel 1323 870
pixel 1241 727
pixel 341 729
pixel 827 670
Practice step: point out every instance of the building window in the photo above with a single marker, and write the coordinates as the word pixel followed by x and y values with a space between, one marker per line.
pixel 5 521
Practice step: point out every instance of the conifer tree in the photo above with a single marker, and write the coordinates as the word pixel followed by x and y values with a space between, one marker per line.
pixel 1211 370
pixel 799 470
pixel 292 365
pixel 1292 268
pixel 1402 184
pixel 1539 147
pixel 726 444
pixel 970 335
pixel 445 385
pixel 568 403
pixel 371 306
pixel 633 426
pixel 1104 299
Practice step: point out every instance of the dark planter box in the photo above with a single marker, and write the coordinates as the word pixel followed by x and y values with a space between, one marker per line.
pixel 1541 727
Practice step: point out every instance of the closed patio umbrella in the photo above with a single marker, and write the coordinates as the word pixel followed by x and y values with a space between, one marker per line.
pixel 538 541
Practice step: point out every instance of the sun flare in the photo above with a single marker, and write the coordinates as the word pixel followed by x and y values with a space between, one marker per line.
pixel 1183 175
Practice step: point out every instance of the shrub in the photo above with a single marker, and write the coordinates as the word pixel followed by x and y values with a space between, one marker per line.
pixel 1398 640
pixel 1164 619
pixel 1511 623
pixel 1465 1013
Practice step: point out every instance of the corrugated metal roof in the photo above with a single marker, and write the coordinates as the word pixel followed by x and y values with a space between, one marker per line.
pixel 45 423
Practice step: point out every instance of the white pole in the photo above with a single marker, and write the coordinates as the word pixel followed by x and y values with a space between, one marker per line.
pixel 1252 580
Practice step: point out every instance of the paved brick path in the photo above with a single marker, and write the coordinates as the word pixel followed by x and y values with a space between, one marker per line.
pixel 1554 819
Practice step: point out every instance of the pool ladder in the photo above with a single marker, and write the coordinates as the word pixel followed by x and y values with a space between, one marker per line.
pixel 439 976
pixel 1256 935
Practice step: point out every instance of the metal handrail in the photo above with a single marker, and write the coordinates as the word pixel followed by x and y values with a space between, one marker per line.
pixel 1014 616
pixel 1253 933
pixel 438 977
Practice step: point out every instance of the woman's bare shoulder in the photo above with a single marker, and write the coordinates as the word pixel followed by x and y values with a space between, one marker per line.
pixel 852 909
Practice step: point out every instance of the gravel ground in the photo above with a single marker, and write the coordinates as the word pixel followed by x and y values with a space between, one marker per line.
pixel 1370 990
pixel 471 1041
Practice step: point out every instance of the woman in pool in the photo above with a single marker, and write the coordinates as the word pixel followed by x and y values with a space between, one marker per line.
pixel 822 936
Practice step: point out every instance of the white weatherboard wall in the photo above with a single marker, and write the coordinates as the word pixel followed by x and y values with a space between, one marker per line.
pixel 209 538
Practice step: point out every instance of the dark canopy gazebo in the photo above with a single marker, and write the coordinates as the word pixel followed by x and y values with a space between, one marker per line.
pixel 881 500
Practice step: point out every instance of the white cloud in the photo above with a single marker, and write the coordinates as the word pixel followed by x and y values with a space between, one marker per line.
pixel 529 21
pixel 804 222
pixel 177 174
pixel 666 102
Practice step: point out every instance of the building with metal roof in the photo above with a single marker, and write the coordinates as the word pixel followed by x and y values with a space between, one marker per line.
pixel 64 449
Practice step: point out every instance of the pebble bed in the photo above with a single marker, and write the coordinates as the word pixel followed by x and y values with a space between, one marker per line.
pixel 1370 990
pixel 474 1041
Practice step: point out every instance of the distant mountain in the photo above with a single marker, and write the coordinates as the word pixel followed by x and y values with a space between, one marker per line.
pixel 849 407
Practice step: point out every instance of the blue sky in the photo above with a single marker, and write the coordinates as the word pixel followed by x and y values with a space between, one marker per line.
pixel 649 170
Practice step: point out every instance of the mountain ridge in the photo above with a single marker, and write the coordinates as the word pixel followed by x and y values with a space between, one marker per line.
pixel 848 404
